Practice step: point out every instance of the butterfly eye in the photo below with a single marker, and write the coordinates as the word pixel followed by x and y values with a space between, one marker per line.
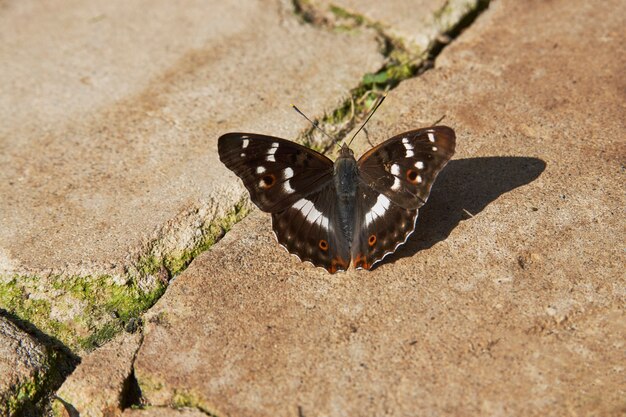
pixel 323 245
pixel 372 240
pixel 413 177
pixel 267 181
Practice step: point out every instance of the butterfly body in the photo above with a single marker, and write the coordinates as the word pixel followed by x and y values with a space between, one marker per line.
pixel 346 184
pixel 333 213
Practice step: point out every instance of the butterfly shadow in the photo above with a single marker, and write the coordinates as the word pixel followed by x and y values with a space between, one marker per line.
pixel 462 190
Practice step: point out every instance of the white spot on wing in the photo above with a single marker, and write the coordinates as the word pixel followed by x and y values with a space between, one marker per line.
pixel 287 187
pixel 434 149
pixel 242 155
pixel 431 137
pixel 312 215
pixel 396 184
pixel 395 169
pixel 288 173
pixel 419 165
pixel 271 152
pixel 408 147
pixel 381 206
pixel 245 144
pixel 419 179
pixel 260 169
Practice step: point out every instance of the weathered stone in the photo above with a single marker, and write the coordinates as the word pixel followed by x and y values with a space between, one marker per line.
pixel 108 145
pixel 98 385
pixel 417 23
pixel 508 299
pixel 24 365
pixel 110 180
pixel 163 412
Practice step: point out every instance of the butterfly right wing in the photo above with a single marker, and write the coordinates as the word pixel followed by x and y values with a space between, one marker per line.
pixel 276 172
pixel 382 226
pixel 309 229
pixel 405 167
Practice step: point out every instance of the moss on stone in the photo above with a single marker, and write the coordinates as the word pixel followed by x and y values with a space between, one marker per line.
pixel 100 306
pixel 188 399
pixel 28 397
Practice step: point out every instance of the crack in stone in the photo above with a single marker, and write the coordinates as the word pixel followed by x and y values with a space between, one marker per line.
pixel 404 62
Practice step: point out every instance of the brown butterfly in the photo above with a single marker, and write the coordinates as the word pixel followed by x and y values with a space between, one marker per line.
pixel 333 213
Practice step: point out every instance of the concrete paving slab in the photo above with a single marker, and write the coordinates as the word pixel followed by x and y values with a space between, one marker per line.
pixel 417 23
pixel 25 367
pixel 112 111
pixel 163 412
pixel 508 299
pixel 100 386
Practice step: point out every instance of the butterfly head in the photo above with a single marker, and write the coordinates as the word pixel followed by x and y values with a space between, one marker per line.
pixel 345 152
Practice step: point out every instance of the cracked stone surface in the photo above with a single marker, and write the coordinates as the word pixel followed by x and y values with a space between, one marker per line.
pixel 96 387
pixel 24 362
pixel 508 299
pixel 415 22
pixel 111 123
pixel 164 412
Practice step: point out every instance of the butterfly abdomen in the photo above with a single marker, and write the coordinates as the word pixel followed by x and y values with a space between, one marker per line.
pixel 346 174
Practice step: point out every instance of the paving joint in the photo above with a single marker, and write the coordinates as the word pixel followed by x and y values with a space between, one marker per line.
pixel 109 304
pixel 147 277
pixel 404 61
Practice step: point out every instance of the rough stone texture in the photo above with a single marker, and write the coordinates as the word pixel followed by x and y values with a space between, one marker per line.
pixel 96 387
pixel 111 112
pixel 508 299
pixel 416 22
pixel 163 412
pixel 24 363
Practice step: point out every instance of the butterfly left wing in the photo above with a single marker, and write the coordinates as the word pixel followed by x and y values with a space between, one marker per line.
pixel 404 167
pixel 276 172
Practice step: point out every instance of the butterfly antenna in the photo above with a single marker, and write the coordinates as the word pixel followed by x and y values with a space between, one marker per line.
pixel 439 121
pixel 382 98
pixel 315 125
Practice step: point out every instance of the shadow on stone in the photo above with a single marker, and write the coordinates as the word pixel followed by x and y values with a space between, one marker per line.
pixel 62 363
pixel 466 186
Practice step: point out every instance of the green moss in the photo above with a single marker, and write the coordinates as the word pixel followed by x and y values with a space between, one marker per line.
pixel 27 397
pixel 99 307
pixel 346 21
pixel 211 233
pixel 189 399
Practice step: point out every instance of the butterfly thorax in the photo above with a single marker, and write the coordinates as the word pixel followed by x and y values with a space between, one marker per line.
pixel 346 180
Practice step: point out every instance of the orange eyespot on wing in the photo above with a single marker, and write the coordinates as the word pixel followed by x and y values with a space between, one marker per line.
pixel 413 177
pixel 372 240
pixel 323 245
pixel 267 181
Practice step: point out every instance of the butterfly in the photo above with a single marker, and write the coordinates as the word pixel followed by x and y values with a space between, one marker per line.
pixel 347 211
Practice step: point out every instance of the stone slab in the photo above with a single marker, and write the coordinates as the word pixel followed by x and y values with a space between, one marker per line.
pixel 163 412
pixel 24 363
pixel 508 299
pixel 97 386
pixel 111 112
pixel 417 23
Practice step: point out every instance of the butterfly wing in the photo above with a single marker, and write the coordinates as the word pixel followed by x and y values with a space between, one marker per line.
pixel 309 229
pixel 395 179
pixel 295 184
pixel 381 227
pixel 404 167
pixel 276 172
